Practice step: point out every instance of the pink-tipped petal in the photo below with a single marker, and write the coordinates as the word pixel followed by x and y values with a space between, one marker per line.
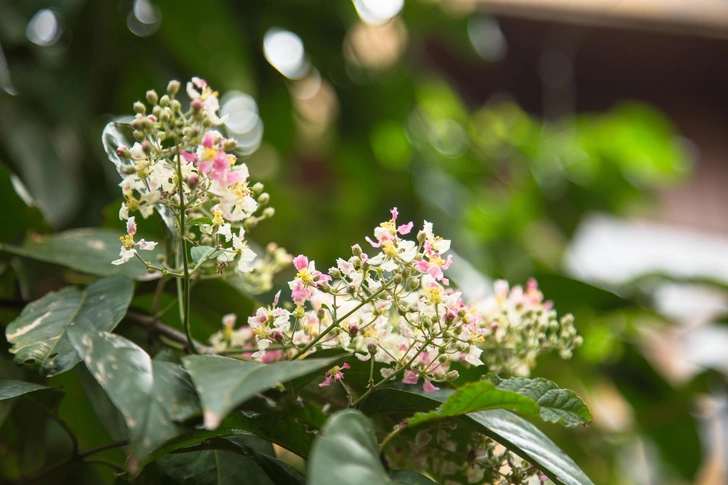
pixel 428 387
pixel 300 262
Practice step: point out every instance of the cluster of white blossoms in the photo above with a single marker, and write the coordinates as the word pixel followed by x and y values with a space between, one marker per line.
pixel 181 165
pixel 397 308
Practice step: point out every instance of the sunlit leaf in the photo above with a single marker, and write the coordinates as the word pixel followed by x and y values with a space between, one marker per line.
pixel 556 405
pixel 39 337
pixel 153 396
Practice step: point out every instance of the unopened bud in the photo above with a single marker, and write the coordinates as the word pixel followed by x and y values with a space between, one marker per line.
pixel 172 87
pixel 264 198
pixel 230 144
pixel 372 348
pixel 277 335
pixel 320 313
pixel 123 152
pixel 196 105
pixel 440 376
pixel 356 250
pixel 176 105
pixel 129 169
pixel 147 147
pixel 250 222
pixel 139 135
pixel 452 375
pixel 351 289
pixel 166 116
pixel 398 279
pixel 257 188
pixel 193 180
pixel 152 97
pixel 269 212
pixel 164 101
pixel 462 312
pixel 442 358
pixel 353 330
pixel 421 236
pixel 334 273
pixel 140 108
pixel 413 284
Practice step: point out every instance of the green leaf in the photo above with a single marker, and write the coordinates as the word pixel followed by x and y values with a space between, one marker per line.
pixel 201 253
pixel 293 428
pixel 224 383
pixel 346 451
pixel 408 477
pixel 39 337
pixel 228 461
pixel 87 250
pixel 11 388
pixel 154 397
pixel 199 221
pixel 557 405
pixel 508 429
pixel 478 396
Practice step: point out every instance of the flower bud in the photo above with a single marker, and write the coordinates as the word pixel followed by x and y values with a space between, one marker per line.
pixel 413 284
pixel 140 108
pixel 351 289
pixel 193 180
pixel 196 105
pixel 334 273
pixel 320 313
pixel 123 152
pixel 269 212
pixel 462 312
pixel 398 279
pixel 442 358
pixel 372 348
pixel 421 236
pixel 166 116
pixel 156 111
pixel 147 147
pixel 257 188
pixel 129 169
pixel 356 250
pixel 139 135
pixel 230 144
pixel 152 97
pixel 164 101
pixel 452 375
pixel 353 330
pixel 173 87
pixel 250 222
pixel 277 335
pixel 264 198
pixel 176 105
pixel 440 376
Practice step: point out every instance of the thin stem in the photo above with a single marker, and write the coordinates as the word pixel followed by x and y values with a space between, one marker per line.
pixel 184 288
pixel 153 325
pixel 339 320
pixel 99 449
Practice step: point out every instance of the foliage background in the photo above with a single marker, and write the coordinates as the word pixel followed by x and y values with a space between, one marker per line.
pixel 508 188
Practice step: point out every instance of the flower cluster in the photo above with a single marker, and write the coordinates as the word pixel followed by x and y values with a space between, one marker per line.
pixel 398 308
pixel 183 167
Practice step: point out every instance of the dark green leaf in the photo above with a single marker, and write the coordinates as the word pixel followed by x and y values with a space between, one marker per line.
pixel 346 451
pixel 224 383
pixel 408 477
pixel 478 396
pixel 39 337
pixel 152 396
pixel 87 250
pixel 222 461
pixel 17 215
pixel 557 405
pixel 11 389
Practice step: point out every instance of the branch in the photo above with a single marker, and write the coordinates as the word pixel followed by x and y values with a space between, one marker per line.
pixel 154 326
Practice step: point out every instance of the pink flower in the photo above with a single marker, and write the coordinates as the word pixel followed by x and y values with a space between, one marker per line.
pixel 131 227
pixel 189 157
pixel 410 377
pixel 334 373
pixel 301 293
pixel 428 387
pixel 209 140
pixel 300 262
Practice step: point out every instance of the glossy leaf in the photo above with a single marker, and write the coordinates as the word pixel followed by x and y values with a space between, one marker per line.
pixel 86 250
pixel 508 429
pixel 346 451
pixel 11 388
pixel 557 405
pixel 154 397
pixel 39 336
pixel 478 396
pixel 224 383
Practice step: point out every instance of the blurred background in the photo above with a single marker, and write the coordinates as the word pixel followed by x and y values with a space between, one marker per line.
pixel 581 142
